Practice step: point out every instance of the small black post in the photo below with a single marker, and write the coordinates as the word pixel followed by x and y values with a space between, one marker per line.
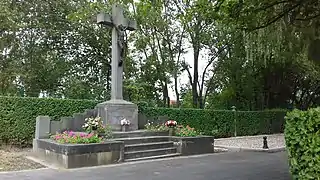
pixel 235 120
pixel 265 143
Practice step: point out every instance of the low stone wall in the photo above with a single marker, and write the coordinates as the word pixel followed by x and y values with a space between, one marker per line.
pixel 194 145
pixel 78 155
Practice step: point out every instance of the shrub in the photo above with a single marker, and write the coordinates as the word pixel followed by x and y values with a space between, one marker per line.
pixel 156 127
pixel 18 115
pixel 95 125
pixel 302 135
pixel 186 131
pixel 220 123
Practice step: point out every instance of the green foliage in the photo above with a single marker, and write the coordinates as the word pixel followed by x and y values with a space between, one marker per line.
pixel 76 138
pixel 302 135
pixel 186 131
pixel 221 123
pixel 156 127
pixel 18 115
pixel 107 132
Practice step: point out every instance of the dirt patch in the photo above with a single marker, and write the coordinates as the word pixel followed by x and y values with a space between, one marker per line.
pixel 14 159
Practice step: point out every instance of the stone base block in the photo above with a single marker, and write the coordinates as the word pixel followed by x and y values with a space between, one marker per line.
pixel 78 155
pixel 113 111
pixel 194 145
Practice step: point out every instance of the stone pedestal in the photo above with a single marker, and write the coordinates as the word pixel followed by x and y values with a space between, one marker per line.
pixel 113 111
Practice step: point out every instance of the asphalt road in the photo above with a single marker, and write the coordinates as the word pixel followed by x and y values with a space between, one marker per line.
pixel 220 166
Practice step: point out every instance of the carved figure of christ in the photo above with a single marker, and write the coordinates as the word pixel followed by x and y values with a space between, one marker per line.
pixel 119 25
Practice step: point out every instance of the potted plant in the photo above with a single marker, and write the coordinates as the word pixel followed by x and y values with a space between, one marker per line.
pixel 93 125
pixel 125 125
pixel 171 124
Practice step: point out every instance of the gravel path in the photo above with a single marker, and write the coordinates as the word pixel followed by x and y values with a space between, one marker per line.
pixel 256 142
pixel 14 159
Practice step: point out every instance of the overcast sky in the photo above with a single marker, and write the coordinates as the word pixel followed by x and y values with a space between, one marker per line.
pixel 183 79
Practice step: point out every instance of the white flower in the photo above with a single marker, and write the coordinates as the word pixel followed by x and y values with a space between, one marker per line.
pixel 124 122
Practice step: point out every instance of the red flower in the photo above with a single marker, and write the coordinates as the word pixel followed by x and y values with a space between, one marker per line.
pixel 171 123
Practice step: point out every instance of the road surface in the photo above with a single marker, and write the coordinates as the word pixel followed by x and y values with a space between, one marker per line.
pixel 219 166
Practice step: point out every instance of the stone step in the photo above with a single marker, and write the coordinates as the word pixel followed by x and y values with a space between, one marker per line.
pixel 146 146
pixel 141 140
pixel 153 157
pixel 151 152
pixel 139 133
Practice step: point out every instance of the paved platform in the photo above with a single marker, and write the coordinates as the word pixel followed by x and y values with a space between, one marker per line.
pixel 220 166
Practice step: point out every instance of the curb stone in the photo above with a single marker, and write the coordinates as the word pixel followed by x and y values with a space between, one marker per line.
pixel 239 149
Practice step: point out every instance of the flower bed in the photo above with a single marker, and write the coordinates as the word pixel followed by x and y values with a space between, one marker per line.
pixel 150 126
pixel 187 140
pixel 179 130
pixel 78 155
pixel 186 131
pixel 70 137
pixel 80 149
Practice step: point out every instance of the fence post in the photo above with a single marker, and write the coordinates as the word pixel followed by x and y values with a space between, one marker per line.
pixel 234 120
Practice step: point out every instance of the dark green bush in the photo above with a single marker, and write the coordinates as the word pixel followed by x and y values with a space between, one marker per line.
pixel 302 135
pixel 17 118
pixel 221 123
pixel 18 115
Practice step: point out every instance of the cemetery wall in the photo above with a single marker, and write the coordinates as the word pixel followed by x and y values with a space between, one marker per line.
pixel 18 118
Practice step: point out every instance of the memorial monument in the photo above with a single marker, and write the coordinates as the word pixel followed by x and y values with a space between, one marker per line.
pixel 117 109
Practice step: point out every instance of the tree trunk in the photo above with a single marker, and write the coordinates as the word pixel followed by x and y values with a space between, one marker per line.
pixel 176 89
pixel 195 98
pixel 166 98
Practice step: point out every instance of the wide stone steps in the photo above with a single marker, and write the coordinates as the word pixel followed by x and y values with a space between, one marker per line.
pixel 142 140
pixel 145 145
pixel 139 133
pixel 153 157
pixel 150 152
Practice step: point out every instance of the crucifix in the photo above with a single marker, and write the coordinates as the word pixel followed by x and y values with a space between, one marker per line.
pixel 119 25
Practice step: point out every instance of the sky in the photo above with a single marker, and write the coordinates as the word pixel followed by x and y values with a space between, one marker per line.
pixel 183 79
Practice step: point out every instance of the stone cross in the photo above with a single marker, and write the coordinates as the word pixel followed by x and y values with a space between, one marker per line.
pixel 119 25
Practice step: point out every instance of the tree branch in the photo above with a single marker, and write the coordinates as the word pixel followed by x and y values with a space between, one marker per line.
pixel 275 19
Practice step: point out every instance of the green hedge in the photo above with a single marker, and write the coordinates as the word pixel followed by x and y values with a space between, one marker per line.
pixel 221 123
pixel 17 118
pixel 18 115
pixel 302 135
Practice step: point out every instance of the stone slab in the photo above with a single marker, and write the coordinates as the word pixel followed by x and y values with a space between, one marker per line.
pixel 139 133
pixel 113 111
pixel 194 145
pixel 78 155
pixel 79 120
pixel 78 160
pixel 72 149
pixel 55 126
pixel 66 123
pixel 42 127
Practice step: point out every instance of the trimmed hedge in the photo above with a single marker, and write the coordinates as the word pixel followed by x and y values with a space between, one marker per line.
pixel 18 115
pixel 302 135
pixel 220 123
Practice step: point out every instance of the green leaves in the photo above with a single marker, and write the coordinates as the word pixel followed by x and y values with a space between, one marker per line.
pixel 302 135
pixel 18 115
pixel 221 123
